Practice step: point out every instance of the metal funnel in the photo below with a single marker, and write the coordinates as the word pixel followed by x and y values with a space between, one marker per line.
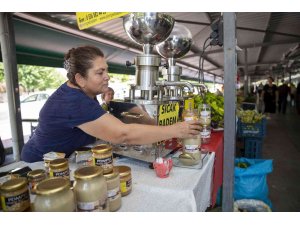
pixel 148 28
pixel 177 44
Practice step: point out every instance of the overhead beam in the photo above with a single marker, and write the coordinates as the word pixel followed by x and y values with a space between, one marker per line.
pixel 243 28
pixel 254 45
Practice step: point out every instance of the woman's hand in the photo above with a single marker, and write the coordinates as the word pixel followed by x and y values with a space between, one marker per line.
pixel 187 129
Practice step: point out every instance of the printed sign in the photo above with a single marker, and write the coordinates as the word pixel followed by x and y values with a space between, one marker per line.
pixel 89 19
pixel 168 114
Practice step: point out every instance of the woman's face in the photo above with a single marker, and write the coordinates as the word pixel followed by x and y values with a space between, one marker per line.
pixel 97 78
pixel 109 96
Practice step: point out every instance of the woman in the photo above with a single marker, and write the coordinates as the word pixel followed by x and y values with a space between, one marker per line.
pixel 72 117
pixel 106 97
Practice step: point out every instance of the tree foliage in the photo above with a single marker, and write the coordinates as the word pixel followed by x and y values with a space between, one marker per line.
pixel 34 78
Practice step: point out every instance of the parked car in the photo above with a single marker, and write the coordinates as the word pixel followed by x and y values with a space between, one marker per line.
pixel 33 103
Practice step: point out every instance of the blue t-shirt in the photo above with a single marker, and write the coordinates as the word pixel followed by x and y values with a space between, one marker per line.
pixel 57 130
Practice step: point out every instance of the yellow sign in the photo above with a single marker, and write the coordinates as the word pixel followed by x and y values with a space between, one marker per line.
pixel 168 114
pixel 187 103
pixel 89 19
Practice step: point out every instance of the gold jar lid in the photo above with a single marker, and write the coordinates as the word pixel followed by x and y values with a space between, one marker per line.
pixel 124 170
pixel 112 174
pixel 52 186
pixel 102 148
pixel 14 184
pixel 36 173
pixel 58 163
pixel 88 172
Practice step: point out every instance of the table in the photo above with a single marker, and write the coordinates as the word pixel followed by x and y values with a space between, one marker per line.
pixel 184 190
pixel 216 145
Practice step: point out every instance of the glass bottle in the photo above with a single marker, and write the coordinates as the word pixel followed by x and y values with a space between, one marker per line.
pixel 191 145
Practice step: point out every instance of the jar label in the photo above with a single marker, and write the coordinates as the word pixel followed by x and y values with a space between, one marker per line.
pixel 64 173
pixel 191 147
pixel 105 162
pixel 205 134
pixel 125 186
pixel 15 203
pixel 188 118
pixel 205 113
pixel 113 193
pixel 192 150
pixel 96 206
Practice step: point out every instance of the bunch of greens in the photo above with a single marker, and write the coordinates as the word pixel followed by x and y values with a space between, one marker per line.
pixel 249 116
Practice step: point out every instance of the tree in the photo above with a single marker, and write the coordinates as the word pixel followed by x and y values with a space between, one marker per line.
pixel 36 77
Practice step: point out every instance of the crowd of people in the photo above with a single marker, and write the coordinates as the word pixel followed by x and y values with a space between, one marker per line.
pixel 273 98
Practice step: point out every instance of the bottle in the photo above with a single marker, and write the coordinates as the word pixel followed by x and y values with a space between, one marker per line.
pixel 191 145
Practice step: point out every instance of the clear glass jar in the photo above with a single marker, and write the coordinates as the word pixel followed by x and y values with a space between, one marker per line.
pixel 54 195
pixel 125 180
pixel 15 195
pixel 90 189
pixel 59 168
pixel 102 156
pixel 113 190
pixel 34 177
pixel 195 142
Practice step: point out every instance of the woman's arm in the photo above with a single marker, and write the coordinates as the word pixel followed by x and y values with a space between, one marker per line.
pixel 109 128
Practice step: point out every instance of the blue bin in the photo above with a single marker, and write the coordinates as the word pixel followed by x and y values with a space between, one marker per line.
pixel 253 148
pixel 252 129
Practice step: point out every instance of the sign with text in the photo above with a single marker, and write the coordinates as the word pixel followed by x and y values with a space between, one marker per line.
pixel 168 114
pixel 89 19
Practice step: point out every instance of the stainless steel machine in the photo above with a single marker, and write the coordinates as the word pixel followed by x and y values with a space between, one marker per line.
pixel 153 101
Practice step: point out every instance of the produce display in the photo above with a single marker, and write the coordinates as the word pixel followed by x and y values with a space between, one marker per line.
pixel 249 116
pixel 216 102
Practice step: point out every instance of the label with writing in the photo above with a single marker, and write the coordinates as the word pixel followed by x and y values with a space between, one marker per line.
pixel 88 19
pixel 96 206
pixel 113 193
pixel 191 148
pixel 168 114
pixel 105 162
pixel 63 173
pixel 15 202
pixel 125 186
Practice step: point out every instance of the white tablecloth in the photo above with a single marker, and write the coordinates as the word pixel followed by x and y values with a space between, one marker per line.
pixel 184 189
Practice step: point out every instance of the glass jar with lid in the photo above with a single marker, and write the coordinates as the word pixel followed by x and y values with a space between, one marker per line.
pixel 90 189
pixel 113 190
pixel 59 168
pixel 54 195
pixel 102 156
pixel 15 195
pixel 34 177
pixel 125 180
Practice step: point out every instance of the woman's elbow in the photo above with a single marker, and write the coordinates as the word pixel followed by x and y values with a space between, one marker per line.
pixel 119 137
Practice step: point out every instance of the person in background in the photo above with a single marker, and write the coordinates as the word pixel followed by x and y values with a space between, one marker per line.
pixel 293 91
pixel 270 96
pixel 72 116
pixel 259 102
pixel 283 92
pixel 298 98
pixel 106 98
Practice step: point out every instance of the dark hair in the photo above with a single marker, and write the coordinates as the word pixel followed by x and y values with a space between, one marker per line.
pixel 271 78
pixel 79 60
